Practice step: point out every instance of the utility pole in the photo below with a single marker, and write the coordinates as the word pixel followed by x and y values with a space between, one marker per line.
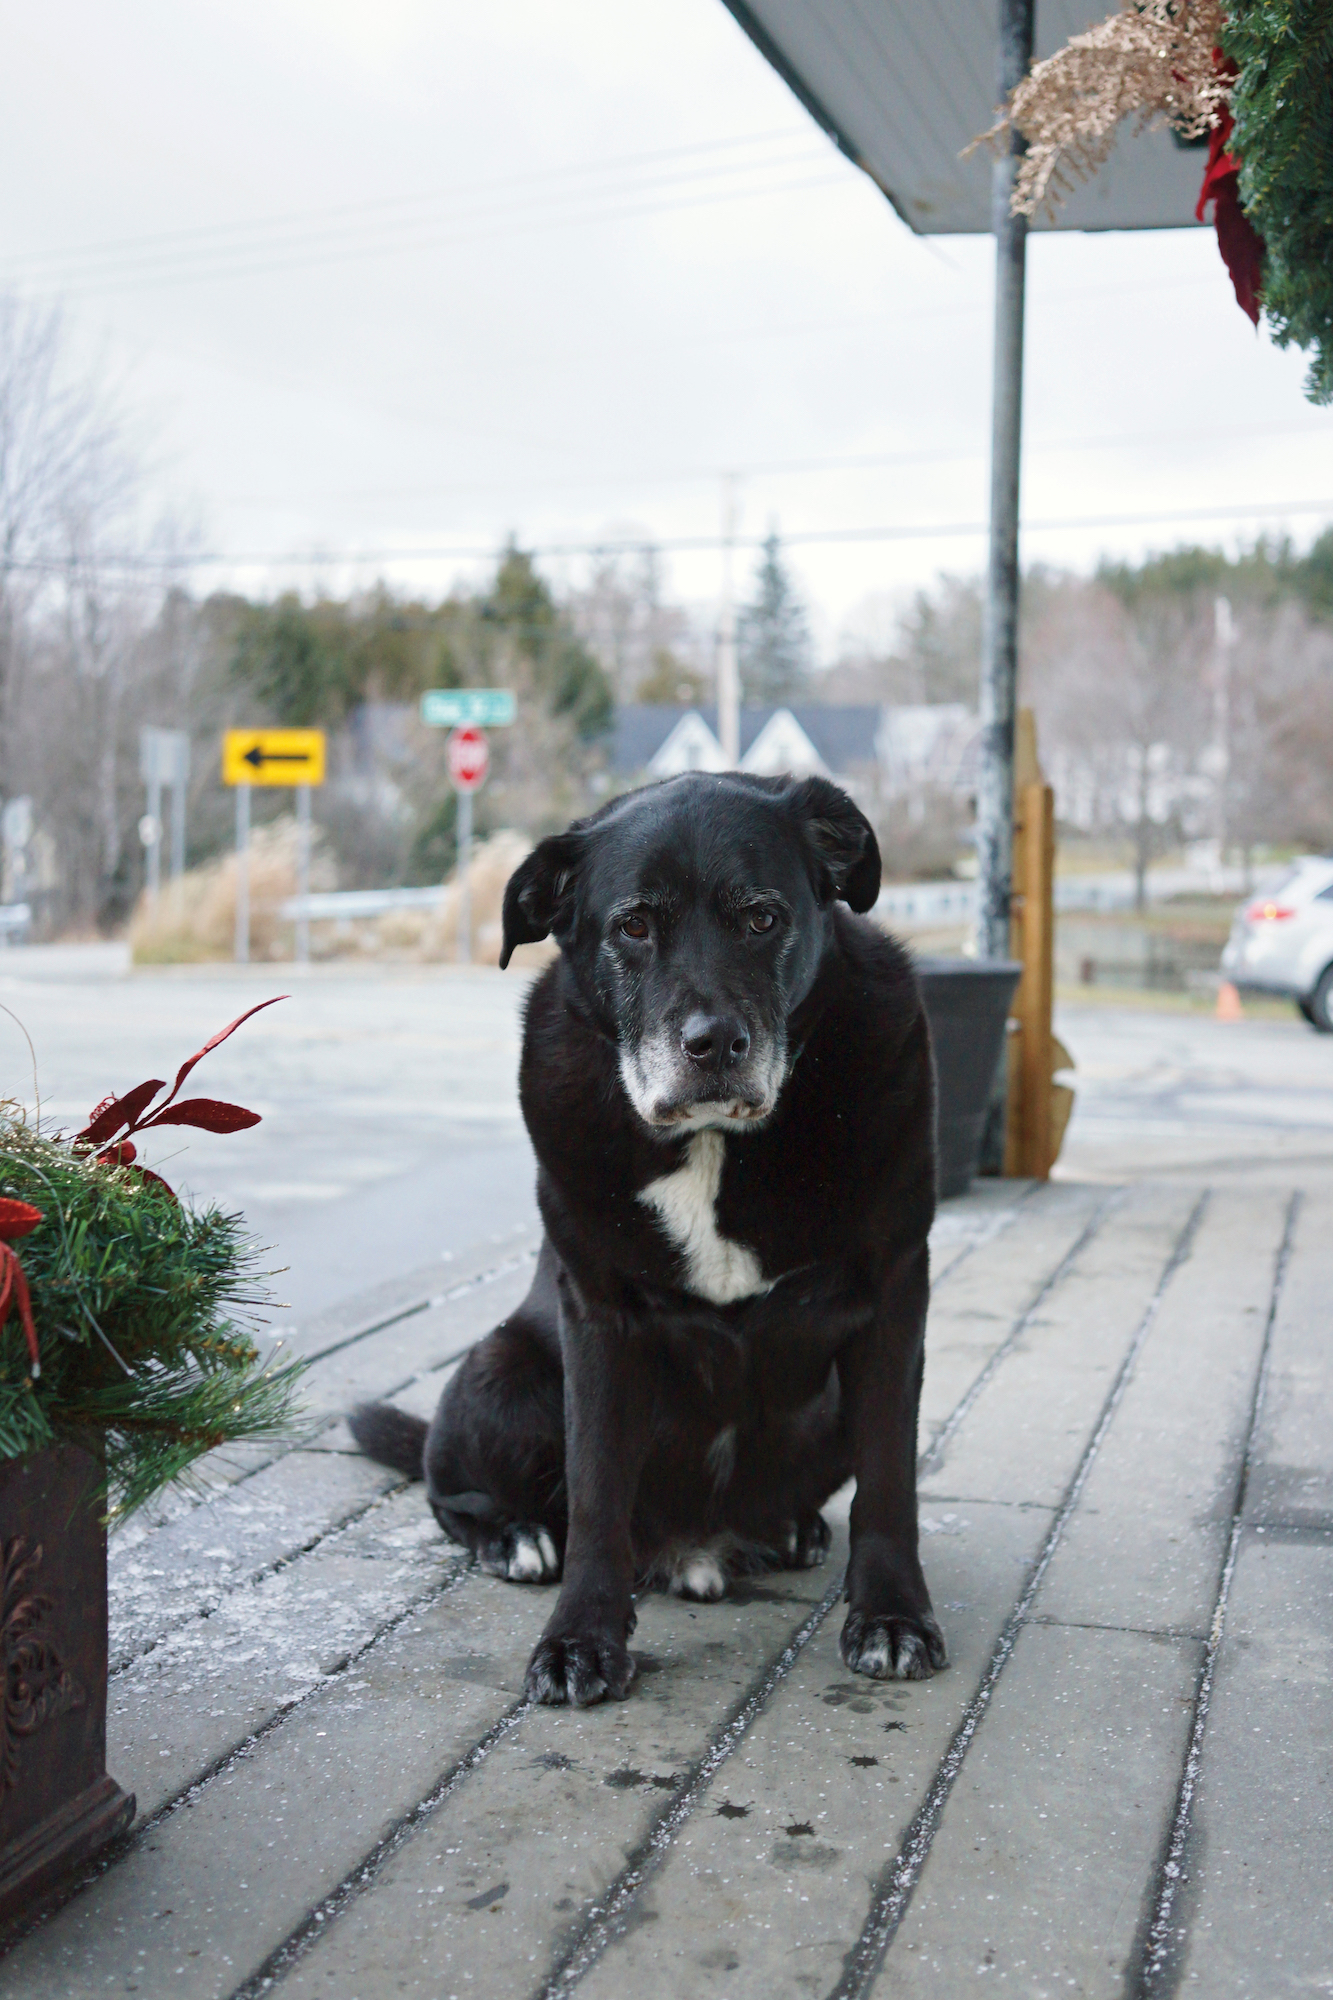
pixel 463 841
pixel 1224 637
pixel 728 673
pixel 241 952
pixel 303 873
pixel 164 759
pixel 999 663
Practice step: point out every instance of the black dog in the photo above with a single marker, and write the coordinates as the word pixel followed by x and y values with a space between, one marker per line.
pixel 728 1083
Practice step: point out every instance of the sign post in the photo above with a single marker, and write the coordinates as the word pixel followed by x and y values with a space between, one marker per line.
pixel 469 756
pixel 164 759
pixel 468 713
pixel 272 757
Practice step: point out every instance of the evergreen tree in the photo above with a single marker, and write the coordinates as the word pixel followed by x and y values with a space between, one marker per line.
pixel 773 634
pixel 521 604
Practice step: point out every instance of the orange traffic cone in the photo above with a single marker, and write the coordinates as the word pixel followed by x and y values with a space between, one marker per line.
pixel 1228 1003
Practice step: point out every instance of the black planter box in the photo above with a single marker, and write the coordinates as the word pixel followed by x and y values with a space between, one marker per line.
pixel 967 1003
pixel 57 1804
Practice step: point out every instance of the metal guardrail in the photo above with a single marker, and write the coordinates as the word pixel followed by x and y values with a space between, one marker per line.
pixel 924 903
pixel 341 905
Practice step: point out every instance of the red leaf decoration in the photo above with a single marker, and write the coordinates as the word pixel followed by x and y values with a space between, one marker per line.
pixel 1243 248
pixel 209 1113
pixel 17 1218
pixel 221 1036
pixel 113 1113
pixel 123 1154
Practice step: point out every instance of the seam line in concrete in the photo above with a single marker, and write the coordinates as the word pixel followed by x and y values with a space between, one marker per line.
pixel 1012 1214
pixel 1317 1529
pixel 312 1927
pixel 426 1304
pixel 598 1926
pixel 1158 1966
pixel 897 1883
pixel 1135 1631
pixel 461 1291
pixel 129 1842
pixel 934 1451
pixel 211 1606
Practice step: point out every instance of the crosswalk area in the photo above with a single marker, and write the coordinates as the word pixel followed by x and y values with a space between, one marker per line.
pixel 1119 1785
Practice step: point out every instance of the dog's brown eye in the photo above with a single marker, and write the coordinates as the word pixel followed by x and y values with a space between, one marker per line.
pixel 762 920
pixel 634 927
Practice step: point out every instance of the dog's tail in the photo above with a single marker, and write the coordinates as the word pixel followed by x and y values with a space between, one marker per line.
pixel 391 1437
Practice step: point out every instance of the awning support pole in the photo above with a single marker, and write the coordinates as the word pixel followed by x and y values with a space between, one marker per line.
pixel 999 659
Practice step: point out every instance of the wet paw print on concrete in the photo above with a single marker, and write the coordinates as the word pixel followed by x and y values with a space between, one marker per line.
pixel 728 1811
pixel 869 1763
pixel 862 1698
pixel 490 1899
pixel 625 1781
pixel 799 1827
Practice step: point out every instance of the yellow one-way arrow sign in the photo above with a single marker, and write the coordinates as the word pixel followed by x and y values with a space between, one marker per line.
pixel 273 757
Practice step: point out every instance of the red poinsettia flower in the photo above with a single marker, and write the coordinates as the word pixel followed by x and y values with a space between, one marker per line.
pixel 17 1218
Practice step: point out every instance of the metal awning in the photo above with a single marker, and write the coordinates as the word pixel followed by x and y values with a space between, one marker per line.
pixel 903 85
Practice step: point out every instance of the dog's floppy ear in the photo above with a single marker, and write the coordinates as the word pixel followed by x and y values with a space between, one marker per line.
pixel 538 890
pixel 843 839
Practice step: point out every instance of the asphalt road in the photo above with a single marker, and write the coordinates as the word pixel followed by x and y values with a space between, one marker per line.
pixel 1164 1093
pixel 391 1134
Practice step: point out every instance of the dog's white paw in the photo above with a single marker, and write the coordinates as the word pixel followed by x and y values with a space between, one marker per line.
pixel 698 1575
pixel 805 1544
pixel 893 1648
pixel 521 1553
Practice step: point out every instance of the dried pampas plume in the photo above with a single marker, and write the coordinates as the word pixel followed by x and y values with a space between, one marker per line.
pixel 1152 60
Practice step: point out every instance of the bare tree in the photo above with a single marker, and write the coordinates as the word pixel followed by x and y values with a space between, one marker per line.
pixel 1120 688
pixel 61 463
pixel 637 637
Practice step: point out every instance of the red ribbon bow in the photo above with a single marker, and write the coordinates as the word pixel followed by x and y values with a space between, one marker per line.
pixel 17 1218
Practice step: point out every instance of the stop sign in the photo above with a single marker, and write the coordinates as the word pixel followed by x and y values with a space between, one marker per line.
pixel 469 759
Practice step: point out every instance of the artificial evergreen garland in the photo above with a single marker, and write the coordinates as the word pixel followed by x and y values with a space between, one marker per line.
pixel 1154 61
pixel 126 1319
pixel 145 1313
pixel 1282 104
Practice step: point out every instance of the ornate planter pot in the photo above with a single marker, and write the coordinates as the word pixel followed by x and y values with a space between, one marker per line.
pixel 57 1804
pixel 967 1003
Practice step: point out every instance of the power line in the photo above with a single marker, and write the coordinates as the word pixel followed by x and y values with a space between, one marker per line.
pixel 669 545
pixel 611 203
pixel 613 164
pixel 847 462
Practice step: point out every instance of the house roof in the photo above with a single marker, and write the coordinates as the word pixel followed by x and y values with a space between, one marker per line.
pixel 903 87
pixel 844 736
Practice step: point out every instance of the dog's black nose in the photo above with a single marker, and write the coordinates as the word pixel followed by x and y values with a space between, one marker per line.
pixel 715 1041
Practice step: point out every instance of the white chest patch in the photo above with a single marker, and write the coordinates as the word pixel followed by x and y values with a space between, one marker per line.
pixel 685 1204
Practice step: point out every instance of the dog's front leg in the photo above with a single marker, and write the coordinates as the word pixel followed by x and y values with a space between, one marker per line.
pixel 582 1655
pixel 890 1633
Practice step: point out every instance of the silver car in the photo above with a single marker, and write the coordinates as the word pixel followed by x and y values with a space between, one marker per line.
pixel 1283 941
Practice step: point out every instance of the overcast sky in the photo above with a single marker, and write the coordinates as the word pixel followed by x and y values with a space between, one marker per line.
pixel 388 276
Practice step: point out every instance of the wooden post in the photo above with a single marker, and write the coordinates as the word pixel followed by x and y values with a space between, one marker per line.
pixel 1029 1151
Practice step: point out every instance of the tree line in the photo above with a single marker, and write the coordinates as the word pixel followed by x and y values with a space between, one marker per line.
pixel 1162 716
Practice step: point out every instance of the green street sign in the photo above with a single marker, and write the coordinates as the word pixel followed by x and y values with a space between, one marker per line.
pixel 457 708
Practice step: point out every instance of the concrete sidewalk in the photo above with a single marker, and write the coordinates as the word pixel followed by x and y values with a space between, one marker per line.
pixel 1121 1784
